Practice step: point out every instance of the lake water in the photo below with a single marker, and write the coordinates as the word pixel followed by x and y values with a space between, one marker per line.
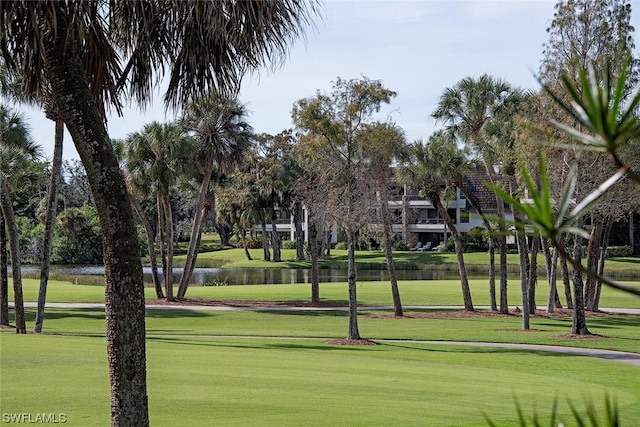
pixel 257 276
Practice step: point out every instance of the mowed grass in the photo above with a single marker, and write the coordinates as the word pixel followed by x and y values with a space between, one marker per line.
pixel 412 292
pixel 475 261
pixel 274 368
pixel 197 377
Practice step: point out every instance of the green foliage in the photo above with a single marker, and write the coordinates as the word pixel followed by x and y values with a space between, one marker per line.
pixel 400 245
pixel 78 239
pixel 341 246
pixel 289 244
pixel 591 416
pixel 619 251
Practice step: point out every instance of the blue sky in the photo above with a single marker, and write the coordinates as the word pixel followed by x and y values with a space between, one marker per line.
pixel 417 48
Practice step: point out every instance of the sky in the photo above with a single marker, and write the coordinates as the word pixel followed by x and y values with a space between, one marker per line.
pixel 417 48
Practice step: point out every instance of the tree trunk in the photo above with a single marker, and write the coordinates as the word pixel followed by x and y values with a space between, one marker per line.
pixel 391 269
pixel 491 243
pixel 297 219
pixel 52 198
pixel 354 333
pixel 265 241
pixel 4 275
pixel 124 287
pixel 524 269
pixel 162 238
pixel 14 244
pixel 532 280
pixel 315 254
pixel 148 230
pixel 241 235
pixel 168 226
pixel 565 280
pixel 551 262
pixel 579 326
pixel 405 218
pixel 593 255
pixel 195 234
pixel 275 241
pixel 190 265
pixel 464 281
pixel 502 239
pixel 603 256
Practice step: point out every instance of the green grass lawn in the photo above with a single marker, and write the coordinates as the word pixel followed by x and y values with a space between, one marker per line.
pixel 412 292
pixel 476 261
pixel 273 368
pixel 208 368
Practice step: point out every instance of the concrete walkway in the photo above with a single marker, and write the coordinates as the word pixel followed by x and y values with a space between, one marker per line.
pixel 618 356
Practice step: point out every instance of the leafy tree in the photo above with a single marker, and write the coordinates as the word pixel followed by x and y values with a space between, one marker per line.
pixel 222 137
pixel 610 123
pixel 337 119
pixel 77 237
pixel 383 144
pixel 93 54
pixel 582 35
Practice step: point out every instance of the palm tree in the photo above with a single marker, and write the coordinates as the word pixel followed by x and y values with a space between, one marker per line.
pixel 17 150
pixel 97 54
pixel 474 110
pixel 430 166
pixel 222 136
pixel 383 143
pixel 155 158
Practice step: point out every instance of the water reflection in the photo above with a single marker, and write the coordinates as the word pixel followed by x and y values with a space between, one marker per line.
pixel 258 276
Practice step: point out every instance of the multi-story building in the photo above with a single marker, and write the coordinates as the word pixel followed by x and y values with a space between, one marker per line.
pixel 414 218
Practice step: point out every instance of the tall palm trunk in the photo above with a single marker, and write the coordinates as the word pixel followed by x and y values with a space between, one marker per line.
pixel 208 206
pixel 195 231
pixel 168 225
pixel 491 241
pixel 464 281
pixel 124 286
pixel 502 240
pixel 162 239
pixel 354 333
pixel 14 245
pixel 4 275
pixel 148 230
pixel 52 195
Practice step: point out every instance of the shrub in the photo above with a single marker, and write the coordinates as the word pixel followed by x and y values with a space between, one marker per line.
pixel 619 251
pixel 288 244
pixel 340 246
pixel 400 245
